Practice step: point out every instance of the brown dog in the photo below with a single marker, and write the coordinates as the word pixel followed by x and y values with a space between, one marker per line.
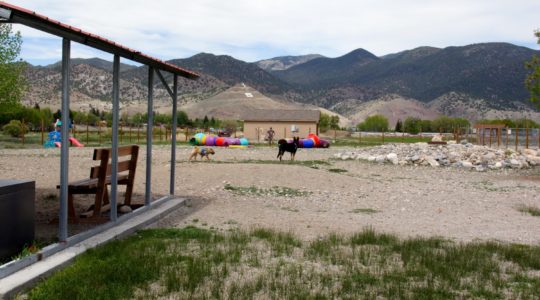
pixel 204 152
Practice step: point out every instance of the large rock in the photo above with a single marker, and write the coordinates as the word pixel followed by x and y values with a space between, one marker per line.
pixel 431 161
pixel 529 152
pixel 466 164
pixel 393 158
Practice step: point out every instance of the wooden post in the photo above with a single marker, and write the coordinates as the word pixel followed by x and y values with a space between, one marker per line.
pixel 490 132
pixel 526 137
pixel 129 133
pixel 22 130
pixel 382 137
pixel 517 139
pixel 187 131
pixel 359 137
pixel 538 138
pixel 42 132
pixel 87 133
pixel 160 137
pixel 506 129
pixel 138 133
pixel 99 133
pixel 335 137
pixel 468 129
pixel 498 137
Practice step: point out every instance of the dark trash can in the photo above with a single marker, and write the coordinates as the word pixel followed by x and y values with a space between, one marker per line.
pixel 16 216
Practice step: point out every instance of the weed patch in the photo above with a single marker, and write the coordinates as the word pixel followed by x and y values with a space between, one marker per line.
pixel 532 210
pixel 193 263
pixel 364 211
pixel 275 191
pixel 337 170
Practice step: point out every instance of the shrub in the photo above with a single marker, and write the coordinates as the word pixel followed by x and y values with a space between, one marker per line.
pixel 377 123
pixel 413 125
pixel 14 128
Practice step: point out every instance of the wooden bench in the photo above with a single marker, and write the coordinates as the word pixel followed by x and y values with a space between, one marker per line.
pixel 100 177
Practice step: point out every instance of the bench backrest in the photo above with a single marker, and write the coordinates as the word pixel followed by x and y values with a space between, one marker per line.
pixel 104 155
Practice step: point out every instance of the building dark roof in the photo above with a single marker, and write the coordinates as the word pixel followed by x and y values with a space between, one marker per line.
pixel 283 115
pixel 29 18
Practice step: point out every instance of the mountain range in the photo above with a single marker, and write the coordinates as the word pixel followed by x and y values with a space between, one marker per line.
pixel 473 81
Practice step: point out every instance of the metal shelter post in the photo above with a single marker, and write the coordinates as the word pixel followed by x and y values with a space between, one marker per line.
pixel 64 150
pixel 114 147
pixel 149 128
pixel 174 124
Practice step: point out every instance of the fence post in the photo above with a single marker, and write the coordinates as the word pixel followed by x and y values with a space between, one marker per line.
pixel 22 129
pixel 506 138
pixel 517 138
pixel 99 133
pixel 527 137
pixel 138 134
pixel 86 133
pixel 382 135
pixel 359 137
pixel 129 126
pixel 42 132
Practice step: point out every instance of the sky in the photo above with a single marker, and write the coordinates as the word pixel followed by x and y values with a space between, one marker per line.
pixel 252 30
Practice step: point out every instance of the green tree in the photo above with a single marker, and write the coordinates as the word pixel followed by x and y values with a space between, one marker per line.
pixel 399 126
pixel 412 125
pixel 377 123
pixel 182 118
pixel 532 82
pixel 334 122
pixel 427 126
pixel 324 122
pixel 12 85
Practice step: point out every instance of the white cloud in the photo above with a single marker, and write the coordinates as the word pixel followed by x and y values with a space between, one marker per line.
pixel 252 30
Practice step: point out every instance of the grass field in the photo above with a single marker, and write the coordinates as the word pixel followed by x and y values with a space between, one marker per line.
pixel 193 263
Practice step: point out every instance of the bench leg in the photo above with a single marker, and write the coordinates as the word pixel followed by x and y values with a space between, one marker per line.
pixel 101 195
pixel 71 209
pixel 129 192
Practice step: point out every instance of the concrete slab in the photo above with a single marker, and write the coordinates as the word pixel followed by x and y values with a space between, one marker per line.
pixel 25 278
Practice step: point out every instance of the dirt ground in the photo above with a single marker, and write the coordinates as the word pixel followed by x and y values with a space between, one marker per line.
pixel 340 196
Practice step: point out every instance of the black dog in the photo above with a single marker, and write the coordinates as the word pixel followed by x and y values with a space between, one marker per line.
pixel 289 147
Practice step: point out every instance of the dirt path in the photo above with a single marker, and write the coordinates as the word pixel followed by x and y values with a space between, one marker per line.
pixel 340 196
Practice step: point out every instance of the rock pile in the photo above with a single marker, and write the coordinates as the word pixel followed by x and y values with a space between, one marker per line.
pixel 464 155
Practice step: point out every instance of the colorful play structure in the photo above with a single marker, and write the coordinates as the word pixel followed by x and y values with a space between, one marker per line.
pixel 312 141
pixel 55 138
pixel 202 139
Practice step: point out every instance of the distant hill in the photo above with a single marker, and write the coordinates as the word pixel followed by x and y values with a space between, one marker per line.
pixel 491 71
pixel 238 101
pixel 233 71
pixel 473 81
pixel 285 62
pixel 94 62
pixel 325 72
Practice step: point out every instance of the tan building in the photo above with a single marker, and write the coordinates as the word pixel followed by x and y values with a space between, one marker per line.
pixel 285 123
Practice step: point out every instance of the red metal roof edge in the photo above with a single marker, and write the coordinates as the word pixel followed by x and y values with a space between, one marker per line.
pixel 77 31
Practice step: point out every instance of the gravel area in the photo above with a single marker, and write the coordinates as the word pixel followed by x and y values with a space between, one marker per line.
pixel 342 196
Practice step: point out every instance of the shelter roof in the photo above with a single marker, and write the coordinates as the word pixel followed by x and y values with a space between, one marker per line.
pixel 32 19
pixel 283 115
